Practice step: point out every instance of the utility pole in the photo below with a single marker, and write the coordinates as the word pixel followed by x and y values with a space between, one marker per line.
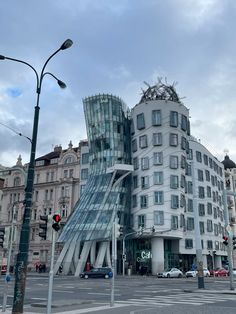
pixel 198 243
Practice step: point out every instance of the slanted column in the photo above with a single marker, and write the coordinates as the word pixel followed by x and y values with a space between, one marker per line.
pixel 157 255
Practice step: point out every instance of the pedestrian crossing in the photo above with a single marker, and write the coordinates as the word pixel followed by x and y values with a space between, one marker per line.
pixel 195 299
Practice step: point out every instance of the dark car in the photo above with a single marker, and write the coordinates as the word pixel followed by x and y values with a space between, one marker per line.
pixel 100 272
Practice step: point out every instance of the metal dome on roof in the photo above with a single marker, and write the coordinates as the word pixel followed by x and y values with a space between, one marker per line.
pixel 228 163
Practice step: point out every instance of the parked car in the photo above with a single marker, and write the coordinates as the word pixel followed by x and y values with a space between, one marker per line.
pixel 101 272
pixel 193 273
pixel 219 272
pixel 234 271
pixel 172 273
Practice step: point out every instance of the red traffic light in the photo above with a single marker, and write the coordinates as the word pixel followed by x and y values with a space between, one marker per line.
pixel 56 218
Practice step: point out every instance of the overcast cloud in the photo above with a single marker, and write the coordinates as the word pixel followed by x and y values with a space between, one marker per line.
pixel 117 46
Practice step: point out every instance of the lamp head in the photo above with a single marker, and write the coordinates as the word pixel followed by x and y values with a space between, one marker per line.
pixel 2 57
pixel 67 44
pixel 61 84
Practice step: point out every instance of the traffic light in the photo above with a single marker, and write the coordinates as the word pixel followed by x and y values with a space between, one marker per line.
pixel 119 230
pixel 56 224
pixel 225 242
pixel 43 226
pixel 234 243
pixel 2 235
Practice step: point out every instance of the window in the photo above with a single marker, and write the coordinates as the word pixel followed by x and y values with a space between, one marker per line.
pixel 182 181
pixel 82 188
pixel 157 158
pixel 158 197
pixel 143 201
pixel 190 154
pixel 71 171
pixel 145 182
pixel 156 117
pixel 209 245
pixel 85 158
pixel 174 201
pixel 145 163
pixel 52 176
pixel 205 158
pixel 190 187
pixel 190 223
pixel 157 139
pixel 190 205
pixel 200 175
pixel 174 222
pixel 174 182
pixel 209 225
pixel 51 194
pixel 143 143
pixel 158 217
pixel 65 175
pixel 140 121
pixel 208 191
pixel 39 163
pixel 135 163
pixel 173 139
pixel 69 160
pixel 134 200
pixel 182 201
pixel 141 221
pixel 201 209
pixel 174 162
pixel 209 208
pixel 46 195
pixel 210 163
pixel 207 175
pixel 184 123
pixel 135 182
pixel 158 177
pixel 201 226
pixel 36 196
pixel 216 230
pixel 183 143
pixel 84 174
pixel 174 119
pixel 134 145
pixel 183 162
pixel 188 243
pixel 198 156
pixel 201 192
pixel 132 127
pixel 17 181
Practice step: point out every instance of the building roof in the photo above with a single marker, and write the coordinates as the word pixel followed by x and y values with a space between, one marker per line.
pixel 228 163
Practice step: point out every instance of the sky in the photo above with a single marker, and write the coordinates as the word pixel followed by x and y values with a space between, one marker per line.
pixel 117 45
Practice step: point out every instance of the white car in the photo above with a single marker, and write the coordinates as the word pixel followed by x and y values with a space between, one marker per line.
pixel 193 273
pixel 172 273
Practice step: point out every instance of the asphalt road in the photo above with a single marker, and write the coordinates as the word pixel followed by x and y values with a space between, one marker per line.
pixel 133 295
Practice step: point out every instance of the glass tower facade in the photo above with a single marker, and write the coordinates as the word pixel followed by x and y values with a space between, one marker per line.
pixel 105 197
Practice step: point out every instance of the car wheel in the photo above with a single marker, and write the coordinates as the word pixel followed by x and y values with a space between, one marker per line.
pixel 168 276
pixel 106 276
pixel 179 276
pixel 86 276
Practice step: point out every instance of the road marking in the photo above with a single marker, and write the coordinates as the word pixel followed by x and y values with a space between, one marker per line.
pixel 100 293
pixel 41 299
pixel 54 290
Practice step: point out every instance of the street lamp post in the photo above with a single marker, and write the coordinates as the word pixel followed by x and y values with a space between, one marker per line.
pixel 22 256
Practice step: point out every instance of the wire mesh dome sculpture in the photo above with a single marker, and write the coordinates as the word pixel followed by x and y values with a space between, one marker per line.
pixel 160 91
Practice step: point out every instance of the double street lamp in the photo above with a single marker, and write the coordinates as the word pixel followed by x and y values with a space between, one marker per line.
pixel 22 256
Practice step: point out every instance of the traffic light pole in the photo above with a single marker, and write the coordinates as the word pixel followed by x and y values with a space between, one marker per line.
pixel 49 305
pixel 113 263
pixel 230 238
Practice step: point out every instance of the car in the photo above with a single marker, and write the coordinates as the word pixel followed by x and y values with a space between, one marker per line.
pixel 193 273
pixel 234 271
pixel 98 272
pixel 219 272
pixel 171 273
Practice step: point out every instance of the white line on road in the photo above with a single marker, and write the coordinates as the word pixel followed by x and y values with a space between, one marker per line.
pixel 100 293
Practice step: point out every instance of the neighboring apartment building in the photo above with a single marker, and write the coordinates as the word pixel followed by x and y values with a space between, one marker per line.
pixel 56 190
pixel 163 154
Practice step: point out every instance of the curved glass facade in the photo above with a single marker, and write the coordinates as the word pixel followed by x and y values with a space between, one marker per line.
pixel 108 130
